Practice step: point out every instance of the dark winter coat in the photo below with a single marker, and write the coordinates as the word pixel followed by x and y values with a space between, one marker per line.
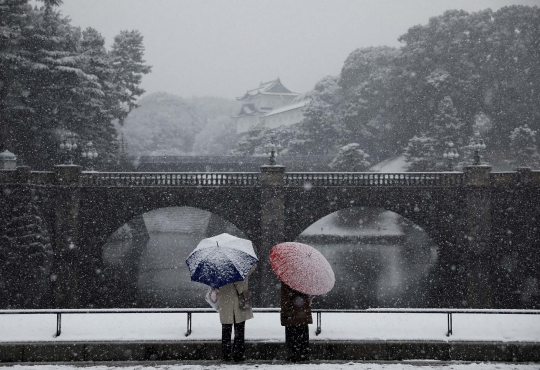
pixel 295 307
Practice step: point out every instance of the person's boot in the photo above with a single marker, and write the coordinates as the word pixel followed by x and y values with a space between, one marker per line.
pixel 226 350
pixel 239 351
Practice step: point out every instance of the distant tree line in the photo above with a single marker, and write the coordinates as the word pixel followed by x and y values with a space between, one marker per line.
pixel 461 73
pixel 168 125
pixel 57 80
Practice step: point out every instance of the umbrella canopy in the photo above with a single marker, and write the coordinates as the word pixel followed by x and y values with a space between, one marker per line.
pixel 221 260
pixel 302 268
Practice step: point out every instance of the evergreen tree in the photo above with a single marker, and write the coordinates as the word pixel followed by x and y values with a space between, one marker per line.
pixel 322 129
pixel 99 117
pixel 368 99
pixel 524 148
pixel 447 129
pixel 446 125
pixel 25 256
pixel 351 158
pixel 420 154
pixel 59 91
pixel 14 22
pixel 127 57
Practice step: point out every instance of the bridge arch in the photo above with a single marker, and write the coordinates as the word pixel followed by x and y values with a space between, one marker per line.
pixel 143 261
pixel 103 211
pixel 380 259
pixel 438 211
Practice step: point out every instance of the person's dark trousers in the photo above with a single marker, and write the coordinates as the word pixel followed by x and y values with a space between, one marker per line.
pixel 297 339
pixel 228 352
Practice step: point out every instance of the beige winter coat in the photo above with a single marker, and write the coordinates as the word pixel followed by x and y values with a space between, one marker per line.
pixel 228 302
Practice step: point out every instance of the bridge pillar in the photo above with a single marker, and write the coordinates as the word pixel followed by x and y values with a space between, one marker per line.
pixel 272 230
pixel 66 237
pixel 478 257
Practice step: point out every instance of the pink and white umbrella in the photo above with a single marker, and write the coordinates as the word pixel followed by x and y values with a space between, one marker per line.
pixel 302 268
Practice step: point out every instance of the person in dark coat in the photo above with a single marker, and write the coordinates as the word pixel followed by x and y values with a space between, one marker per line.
pixel 295 316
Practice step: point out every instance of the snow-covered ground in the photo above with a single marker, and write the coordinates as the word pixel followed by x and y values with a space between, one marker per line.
pixel 394 164
pixel 324 366
pixel 266 327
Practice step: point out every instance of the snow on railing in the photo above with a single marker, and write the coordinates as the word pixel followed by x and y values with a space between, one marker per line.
pixel 503 178
pixel 7 176
pixel 169 179
pixel 31 177
pixel 42 177
pixel 303 179
pixel 291 179
pixel 190 311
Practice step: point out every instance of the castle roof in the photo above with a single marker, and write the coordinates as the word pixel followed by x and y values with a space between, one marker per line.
pixel 274 87
pixel 246 110
pixel 287 108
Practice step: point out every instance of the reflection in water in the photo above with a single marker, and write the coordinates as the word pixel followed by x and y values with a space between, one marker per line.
pixel 164 277
pixel 369 275
pixel 372 270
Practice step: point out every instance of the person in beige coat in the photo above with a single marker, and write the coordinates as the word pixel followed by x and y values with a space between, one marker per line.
pixel 231 314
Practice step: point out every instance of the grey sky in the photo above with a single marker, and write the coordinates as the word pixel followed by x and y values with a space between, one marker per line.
pixel 224 47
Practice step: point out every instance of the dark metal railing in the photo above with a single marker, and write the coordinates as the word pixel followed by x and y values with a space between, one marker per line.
pixel 126 179
pixel 424 179
pixel 291 179
pixel 190 311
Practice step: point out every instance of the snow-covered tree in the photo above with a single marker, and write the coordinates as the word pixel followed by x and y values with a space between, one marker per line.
pixel 351 158
pixel 448 130
pixel 127 57
pixel 322 129
pixel 58 89
pixel 446 125
pixel 420 154
pixel 255 141
pixel 172 132
pixel 14 64
pixel 26 256
pixel 55 78
pixel 368 101
pixel 98 117
pixel 524 148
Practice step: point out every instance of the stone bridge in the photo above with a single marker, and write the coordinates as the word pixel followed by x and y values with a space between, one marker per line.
pixel 479 219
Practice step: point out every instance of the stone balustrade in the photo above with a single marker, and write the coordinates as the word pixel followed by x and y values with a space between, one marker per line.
pixel 291 179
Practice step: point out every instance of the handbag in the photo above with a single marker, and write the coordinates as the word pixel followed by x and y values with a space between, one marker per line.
pixel 212 297
pixel 244 299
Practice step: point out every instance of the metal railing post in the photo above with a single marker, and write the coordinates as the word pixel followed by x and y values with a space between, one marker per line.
pixel 449 319
pixel 188 324
pixel 319 319
pixel 58 325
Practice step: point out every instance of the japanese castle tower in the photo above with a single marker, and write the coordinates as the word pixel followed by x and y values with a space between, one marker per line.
pixel 271 104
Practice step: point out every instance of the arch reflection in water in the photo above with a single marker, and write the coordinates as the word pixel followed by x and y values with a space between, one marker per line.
pixel 380 259
pixel 145 260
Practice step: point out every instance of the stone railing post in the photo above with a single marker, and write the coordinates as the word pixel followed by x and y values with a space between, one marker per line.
pixel 66 236
pixel 272 230
pixel 22 175
pixel 524 175
pixel 479 292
